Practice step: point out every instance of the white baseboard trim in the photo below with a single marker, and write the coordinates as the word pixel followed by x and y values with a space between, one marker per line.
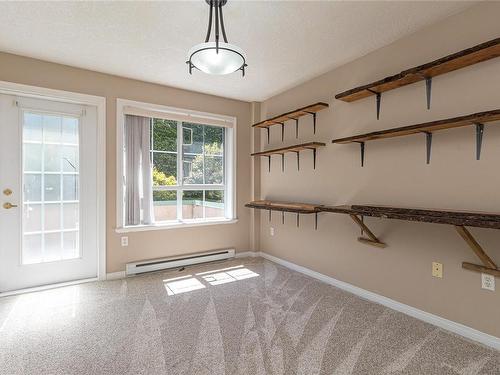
pixel 438 321
pixel 246 254
pixel 116 275
pixel 47 287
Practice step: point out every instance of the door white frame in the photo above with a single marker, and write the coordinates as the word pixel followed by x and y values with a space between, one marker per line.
pixel 99 102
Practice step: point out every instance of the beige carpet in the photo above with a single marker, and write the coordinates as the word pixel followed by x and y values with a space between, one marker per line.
pixel 245 316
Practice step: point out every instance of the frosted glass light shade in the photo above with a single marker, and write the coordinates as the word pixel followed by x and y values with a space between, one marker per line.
pixel 227 60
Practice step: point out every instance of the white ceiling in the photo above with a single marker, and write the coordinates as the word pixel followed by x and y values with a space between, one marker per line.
pixel 287 42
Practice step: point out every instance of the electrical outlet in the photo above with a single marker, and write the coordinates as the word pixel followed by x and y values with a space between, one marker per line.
pixel 437 269
pixel 271 231
pixel 124 241
pixel 488 282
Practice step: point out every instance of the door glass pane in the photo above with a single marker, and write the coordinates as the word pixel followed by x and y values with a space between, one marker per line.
pixel 50 227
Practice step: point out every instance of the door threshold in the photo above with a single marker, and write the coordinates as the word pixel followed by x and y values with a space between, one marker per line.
pixel 46 287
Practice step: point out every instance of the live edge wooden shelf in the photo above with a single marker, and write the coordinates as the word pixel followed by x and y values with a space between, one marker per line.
pixel 458 60
pixel 458 219
pixel 295 149
pixel 292 115
pixel 477 119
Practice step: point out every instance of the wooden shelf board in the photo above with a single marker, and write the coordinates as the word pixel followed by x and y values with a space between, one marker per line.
pixel 458 60
pixel 456 122
pixel 457 218
pixel 301 208
pixel 295 114
pixel 294 148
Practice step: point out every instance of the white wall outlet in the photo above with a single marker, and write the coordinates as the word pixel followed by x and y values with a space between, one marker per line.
pixel 488 282
pixel 271 231
pixel 124 241
pixel 437 269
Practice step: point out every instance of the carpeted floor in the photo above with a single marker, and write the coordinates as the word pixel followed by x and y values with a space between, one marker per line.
pixel 244 316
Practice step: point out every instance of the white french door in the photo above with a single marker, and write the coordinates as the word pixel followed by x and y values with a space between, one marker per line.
pixel 48 192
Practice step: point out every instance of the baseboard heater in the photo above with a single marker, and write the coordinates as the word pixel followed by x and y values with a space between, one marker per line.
pixel 177 261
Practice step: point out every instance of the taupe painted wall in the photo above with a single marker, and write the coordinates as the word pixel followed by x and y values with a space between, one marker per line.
pixel 151 244
pixel 395 174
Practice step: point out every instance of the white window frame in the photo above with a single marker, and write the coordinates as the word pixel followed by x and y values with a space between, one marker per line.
pixel 125 106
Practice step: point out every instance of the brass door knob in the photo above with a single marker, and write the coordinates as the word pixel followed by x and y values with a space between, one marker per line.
pixel 9 205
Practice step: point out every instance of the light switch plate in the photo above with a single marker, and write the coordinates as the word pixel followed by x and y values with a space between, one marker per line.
pixel 488 282
pixel 437 269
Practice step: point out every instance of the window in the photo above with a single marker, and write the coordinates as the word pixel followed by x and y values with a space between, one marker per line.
pixel 192 161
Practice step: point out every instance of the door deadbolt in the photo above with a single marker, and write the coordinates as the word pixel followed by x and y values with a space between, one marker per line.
pixel 7 192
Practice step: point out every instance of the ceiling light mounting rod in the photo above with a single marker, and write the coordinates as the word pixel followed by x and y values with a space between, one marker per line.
pixel 216 57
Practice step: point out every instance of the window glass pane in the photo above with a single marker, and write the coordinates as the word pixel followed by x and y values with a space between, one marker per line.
pixel 214 140
pixel 32 127
pixel 214 171
pixel 70 187
pixel 192 204
pixel 165 205
pixel 52 216
pixel 192 142
pixel 32 218
pixel 51 128
pixel 32 157
pixel 164 169
pixel 214 203
pixel 70 158
pixel 32 187
pixel 52 188
pixel 205 164
pixel 164 135
pixel 52 158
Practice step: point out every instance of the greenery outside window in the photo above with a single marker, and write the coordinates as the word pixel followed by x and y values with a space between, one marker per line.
pixel 189 171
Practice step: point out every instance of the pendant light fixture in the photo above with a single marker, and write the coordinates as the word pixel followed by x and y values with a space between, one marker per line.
pixel 216 57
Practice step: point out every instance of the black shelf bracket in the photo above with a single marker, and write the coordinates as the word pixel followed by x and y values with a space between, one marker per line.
pixel 298 220
pixel 296 128
pixel 316 221
pixel 282 162
pixel 314 121
pixel 314 158
pixel 479 139
pixel 282 217
pixel 428 91
pixel 298 160
pixel 282 131
pixel 269 162
pixel 378 98
pixel 270 215
pixel 428 146
pixel 268 135
pixel 362 151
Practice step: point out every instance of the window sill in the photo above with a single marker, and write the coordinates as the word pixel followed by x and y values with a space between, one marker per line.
pixel 176 225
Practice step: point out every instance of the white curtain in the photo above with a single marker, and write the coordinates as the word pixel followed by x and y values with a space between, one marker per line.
pixel 138 179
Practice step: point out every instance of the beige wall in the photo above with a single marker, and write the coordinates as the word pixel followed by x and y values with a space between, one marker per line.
pixel 151 244
pixel 395 174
